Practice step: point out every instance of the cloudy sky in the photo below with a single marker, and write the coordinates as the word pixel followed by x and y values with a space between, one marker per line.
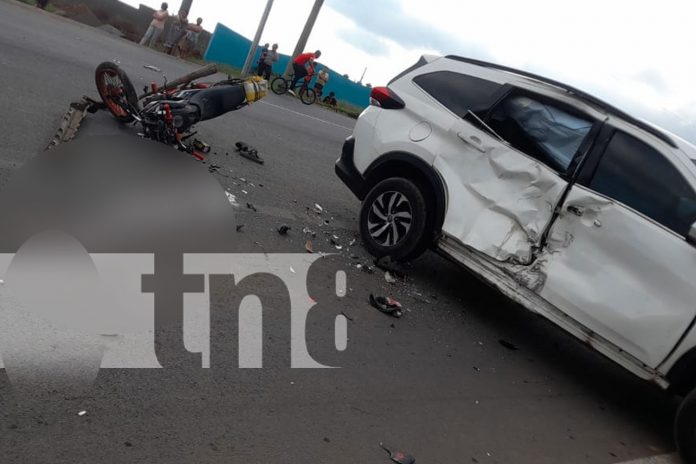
pixel 638 55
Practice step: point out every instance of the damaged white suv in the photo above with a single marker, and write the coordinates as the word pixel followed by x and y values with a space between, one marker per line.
pixel 576 210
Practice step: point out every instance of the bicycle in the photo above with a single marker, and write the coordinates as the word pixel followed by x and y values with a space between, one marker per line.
pixel 281 85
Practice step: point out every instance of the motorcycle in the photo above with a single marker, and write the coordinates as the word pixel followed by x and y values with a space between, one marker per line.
pixel 168 113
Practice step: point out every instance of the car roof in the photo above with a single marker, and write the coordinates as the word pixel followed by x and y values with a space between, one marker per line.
pixel 585 97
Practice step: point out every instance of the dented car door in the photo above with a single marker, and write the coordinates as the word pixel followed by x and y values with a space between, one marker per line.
pixel 507 170
pixel 617 260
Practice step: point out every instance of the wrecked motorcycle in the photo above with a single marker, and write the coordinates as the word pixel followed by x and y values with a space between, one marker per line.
pixel 168 113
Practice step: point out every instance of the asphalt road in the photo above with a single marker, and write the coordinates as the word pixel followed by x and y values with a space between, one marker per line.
pixel 435 383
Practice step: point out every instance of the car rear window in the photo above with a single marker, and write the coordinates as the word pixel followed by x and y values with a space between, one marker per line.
pixel 458 92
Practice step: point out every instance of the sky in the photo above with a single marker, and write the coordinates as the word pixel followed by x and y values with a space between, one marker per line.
pixel 638 55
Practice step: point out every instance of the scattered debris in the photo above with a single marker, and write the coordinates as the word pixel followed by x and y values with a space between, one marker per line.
pixel 477 369
pixel 398 456
pixel 232 199
pixel 385 263
pixel 251 207
pixel 82 413
pixel 152 68
pixel 244 192
pixel 292 270
pixel 240 227
pixel 389 278
pixel 508 345
pixel 347 316
pixel 283 230
pixel 352 242
pixel 248 152
pixel 309 247
pixel 318 208
pixel 386 305
pixel 368 269
pixel 70 123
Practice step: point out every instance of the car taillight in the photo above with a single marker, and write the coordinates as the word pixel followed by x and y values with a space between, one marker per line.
pixel 386 98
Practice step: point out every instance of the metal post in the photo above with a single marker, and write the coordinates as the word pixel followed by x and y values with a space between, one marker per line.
pixel 257 37
pixel 363 76
pixel 186 6
pixel 302 41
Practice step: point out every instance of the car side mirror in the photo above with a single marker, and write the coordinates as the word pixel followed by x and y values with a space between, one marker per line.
pixel 691 236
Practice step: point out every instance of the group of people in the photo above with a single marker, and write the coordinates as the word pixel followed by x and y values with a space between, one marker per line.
pixel 182 36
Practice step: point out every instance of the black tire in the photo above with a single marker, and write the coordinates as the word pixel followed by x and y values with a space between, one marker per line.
pixel 685 429
pixel 391 233
pixel 279 85
pixel 118 93
pixel 308 96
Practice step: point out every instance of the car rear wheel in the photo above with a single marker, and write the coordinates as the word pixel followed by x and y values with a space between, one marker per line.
pixel 685 428
pixel 393 220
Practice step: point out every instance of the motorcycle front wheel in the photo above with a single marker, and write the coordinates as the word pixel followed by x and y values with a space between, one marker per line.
pixel 116 91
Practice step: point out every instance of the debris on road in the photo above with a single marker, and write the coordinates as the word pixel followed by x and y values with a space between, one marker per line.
pixel 385 263
pixel 152 68
pixel 389 278
pixel 240 227
pixel 70 123
pixel 508 345
pixel 318 208
pixel 386 305
pixel 398 456
pixel 248 152
pixel 252 207
pixel 309 247
pixel 307 230
pixel 82 413
pixel 232 199
pixel 283 230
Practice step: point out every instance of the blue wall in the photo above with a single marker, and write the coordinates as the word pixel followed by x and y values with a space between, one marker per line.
pixel 228 47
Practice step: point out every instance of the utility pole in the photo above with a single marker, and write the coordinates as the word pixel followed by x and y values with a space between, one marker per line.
pixel 186 5
pixel 302 41
pixel 257 37
pixel 363 76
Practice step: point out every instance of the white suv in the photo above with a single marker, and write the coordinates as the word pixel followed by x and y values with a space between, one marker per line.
pixel 572 208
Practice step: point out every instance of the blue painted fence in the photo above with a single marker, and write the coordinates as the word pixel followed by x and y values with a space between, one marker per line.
pixel 228 47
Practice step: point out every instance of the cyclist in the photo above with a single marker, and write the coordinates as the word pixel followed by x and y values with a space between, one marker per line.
pixel 300 64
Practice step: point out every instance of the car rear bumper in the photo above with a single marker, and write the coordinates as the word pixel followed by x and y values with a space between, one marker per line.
pixel 346 171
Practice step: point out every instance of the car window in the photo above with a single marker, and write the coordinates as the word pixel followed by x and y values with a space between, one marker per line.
pixel 639 176
pixel 539 129
pixel 458 92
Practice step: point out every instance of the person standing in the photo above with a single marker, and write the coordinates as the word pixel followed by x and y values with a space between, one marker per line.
pixel 322 79
pixel 262 59
pixel 300 64
pixel 176 32
pixel 156 26
pixel 193 31
pixel 266 66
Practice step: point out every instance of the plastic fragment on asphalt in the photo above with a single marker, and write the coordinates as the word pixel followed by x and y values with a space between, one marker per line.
pixel 152 68
pixel 309 247
pixel 283 230
pixel 292 270
pixel 251 207
pixel 508 345
pixel 398 456
pixel 386 305
pixel 232 199
pixel 82 413
pixel 318 208
pixel 389 278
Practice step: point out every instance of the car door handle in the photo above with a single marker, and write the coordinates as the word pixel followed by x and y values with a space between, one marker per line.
pixel 472 140
pixel 576 210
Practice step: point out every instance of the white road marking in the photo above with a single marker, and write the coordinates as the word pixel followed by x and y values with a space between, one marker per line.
pixel 661 459
pixel 306 115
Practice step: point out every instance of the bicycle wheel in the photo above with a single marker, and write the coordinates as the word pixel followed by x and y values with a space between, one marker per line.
pixel 308 96
pixel 279 85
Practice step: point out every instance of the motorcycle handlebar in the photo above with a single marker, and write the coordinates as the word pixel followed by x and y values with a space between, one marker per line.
pixel 197 74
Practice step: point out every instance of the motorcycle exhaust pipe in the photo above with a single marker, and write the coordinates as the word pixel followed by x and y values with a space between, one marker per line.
pixel 197 74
